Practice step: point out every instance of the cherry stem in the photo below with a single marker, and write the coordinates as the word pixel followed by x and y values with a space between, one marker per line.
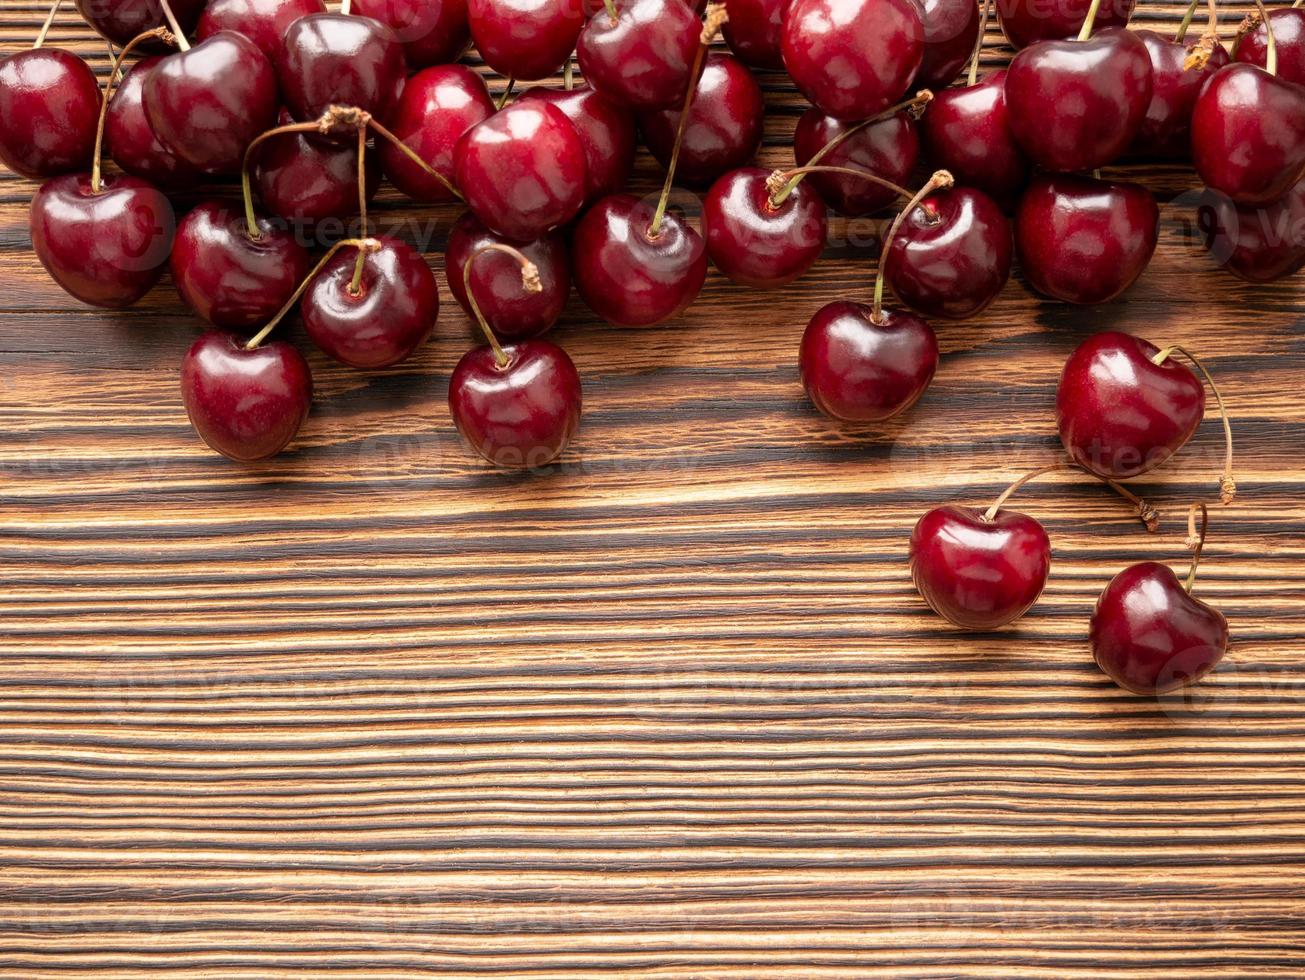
pixel 346 7
pixel 177 32
pixel 364 245
pixel 781 182
pixel 1196 540
pixel 507 93
pixel 983 34
pixel 914 105
pixel 1227 485
pixel 163 34
pixel 246 184
pixel 941 179
pixel 45 28
pixel 568 73
pixel 1144 511
pixel 410 153
pixel 529 281
pixel 1199 57
pixel 716 16
pixel 611 10
pixel 355 285
pixel 1271 50
pixel 1090 21
pixel 1187 21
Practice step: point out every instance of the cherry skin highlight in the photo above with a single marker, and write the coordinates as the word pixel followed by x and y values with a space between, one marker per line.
pixel 340 59
pixel 755 32
pixel 262 21
pixel 643 59
pixel 129 138
pixel 756 243
pixel 432 32
pixel 49 109
pixel 525 39
pixel 607 132
pixel 1027 21
pixel 967 132
pixel 438 105
pixel 889 149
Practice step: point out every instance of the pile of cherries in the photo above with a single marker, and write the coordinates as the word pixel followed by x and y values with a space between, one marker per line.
pixel 308 108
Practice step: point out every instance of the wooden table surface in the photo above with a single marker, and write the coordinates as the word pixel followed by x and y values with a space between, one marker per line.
pixel 671 708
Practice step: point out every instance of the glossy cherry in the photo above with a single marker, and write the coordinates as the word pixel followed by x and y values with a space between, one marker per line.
pixel 888 148
pixel 638 53
pixel 340 59
pixel 262 21
pixel 1252 47
pixel 951 30
pixel 129 138
pixel 755 32
pixel 229 278
pixel 438 105
pixel 1256 244
pixel 246 404
pixel 49 107
pixel 1166 131
pixel 512 311
pixel 522 170
pixel 1083 240
pixel 1027 21
pixel 118 21
pixel 607 132
pixel 375 319
pixel 952 255
pixel 432 32
pixel 206 104
pixel 967 131
pixel 853 58
pixel 757 239
pixel 306 179
pixel 525 38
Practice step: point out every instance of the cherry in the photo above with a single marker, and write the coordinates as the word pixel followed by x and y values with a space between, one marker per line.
pixel 230 277
pixel 755 32
pixel 525 38
pixel 1179 71
pixel 49 104
pixel 1256 244
pixel 1125 406
pixel 1084 240
pixel 262 21
pixel 340 59
pixel 438 105
pixel 373 305
pixel 1077 105
pixel 245 402
pixel 432 33
pixel 207 103
pixel 517 406
pixel 952 255
pixel 129 138
pixel 758 232
pixel 1252 46
pixel 118 21
pixel 638 53
pixel 967 131
pixel 853 58
pixel 607 132
pixel 886 145
pixel 951 31
pixel 512 310
pixel 724 128
pixel 306 179
pixel 1027 21
pixel 1149 634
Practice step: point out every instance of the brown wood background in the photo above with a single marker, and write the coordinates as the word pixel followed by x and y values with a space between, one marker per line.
pixel 670 709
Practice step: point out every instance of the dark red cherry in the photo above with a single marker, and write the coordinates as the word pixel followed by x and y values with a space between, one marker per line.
pixel 977 572
pixel 967 132
pixel 432 32
pixel 857 370
pixel 1083 240
pixel 513 312
pixel 522 170
pixel 305 179
pixel 383 321
pixel 129 138
pixel 627 275
pixel 262 21
pixel 49 108
pixel 889 149
pixel 1150 635
pixel 438 105
pixel 1027 21
pixel 246 404
pixel 525 39
pixel 853 58
pixel 1256 244
pixel 1289 33
pixel 755 30
pixel 340 59
pixel 607 132
pixel 208 103
pixel 952 255
pixel 951 30
pixel 1077 105
pixel 642 60
pixel 1119 413
pixel 724 127
pixel 106 248
pixel 119 21
pixel 759 243
pixel 519 415
pixel 1166 131
pixel 1248 134
pixel 232 280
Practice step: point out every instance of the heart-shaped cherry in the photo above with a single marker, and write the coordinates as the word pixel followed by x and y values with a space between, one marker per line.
pixel 246 402
pixel 760 231
pixel 518 405
pixel 607 132
pixel 129 138
pixel 1256 244
pixel 951 31
pixel 340 59
pixel 966 130
pixel 1027 21
pixel 231 277
pixel 1149 634
pixel 305 178
pixel 1125 406
pixel 724 128
pixel 1077 105
pixel 525 38
pixel 638 53
pixel 1084 240
pixel 432 33
pixel 1252 46
pixel 755 32
pixel 512 311
pixel 952 256
pixel 853 58
pixel 118 21
pixel 262 21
